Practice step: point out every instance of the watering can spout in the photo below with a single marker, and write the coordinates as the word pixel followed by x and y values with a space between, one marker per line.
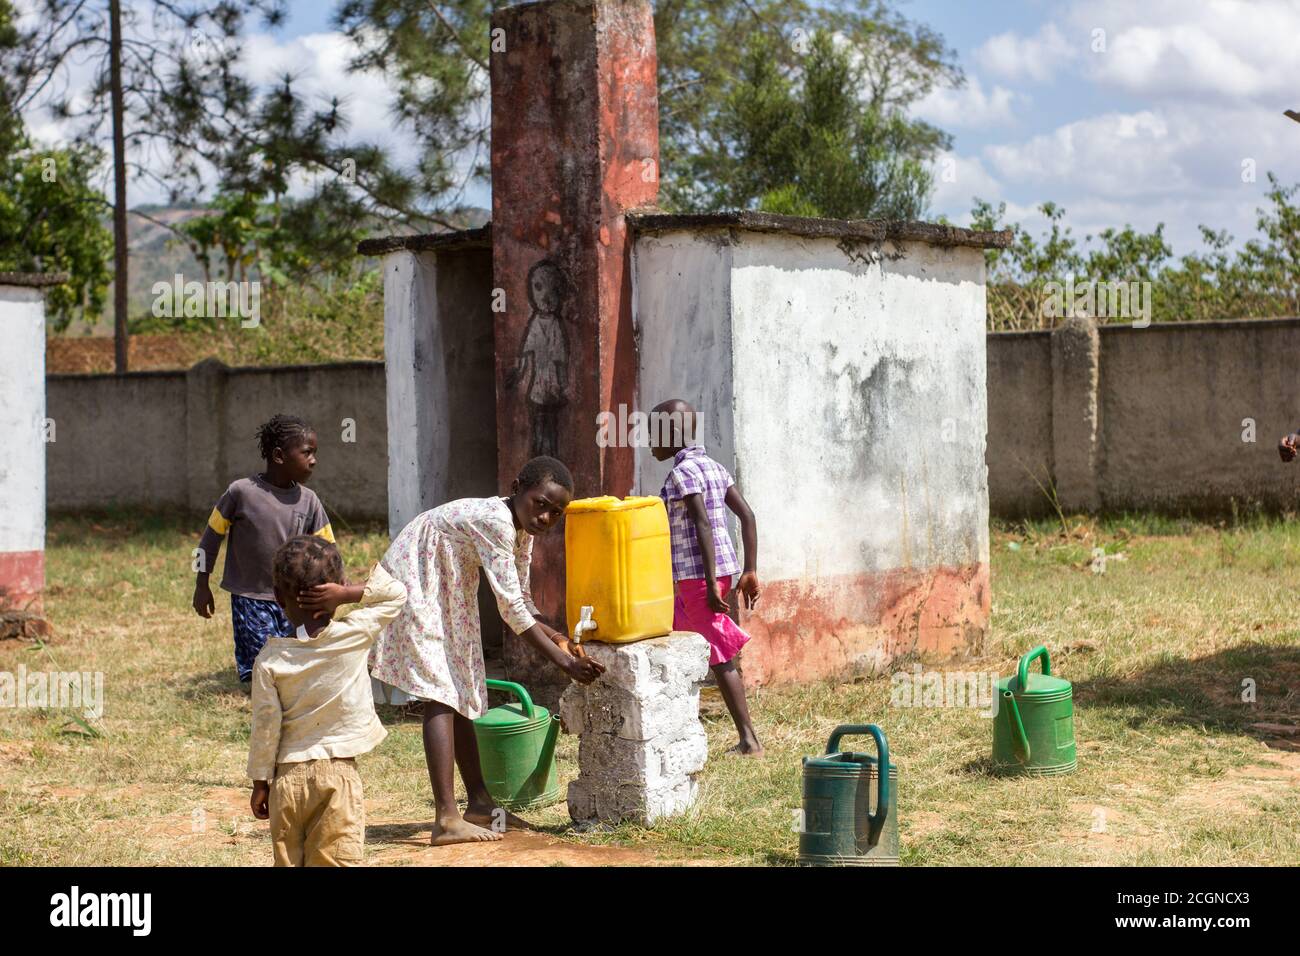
pixel 1019 739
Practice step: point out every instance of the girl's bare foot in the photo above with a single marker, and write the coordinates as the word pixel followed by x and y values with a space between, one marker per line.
pixel 492 817
pixel 747 748
pixel 460 830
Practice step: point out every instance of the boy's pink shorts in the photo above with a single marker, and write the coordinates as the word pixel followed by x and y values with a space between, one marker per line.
pixel 691 612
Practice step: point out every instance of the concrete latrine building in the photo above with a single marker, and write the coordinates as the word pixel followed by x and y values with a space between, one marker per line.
pixel 839 366
pixel 24 432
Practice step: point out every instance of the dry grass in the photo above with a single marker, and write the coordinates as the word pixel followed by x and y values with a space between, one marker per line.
pixel 1173 769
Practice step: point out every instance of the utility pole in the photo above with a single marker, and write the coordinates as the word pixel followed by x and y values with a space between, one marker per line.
pixel 119 188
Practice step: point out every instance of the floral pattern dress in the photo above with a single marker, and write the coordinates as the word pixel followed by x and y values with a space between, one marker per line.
pixel 434 649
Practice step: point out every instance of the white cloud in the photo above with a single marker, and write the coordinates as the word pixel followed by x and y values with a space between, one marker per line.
pixel 1222 48
pixel 957 181
pixel 1038 57
pixel 1172 48
pixel 1170 149
pixel 1178 164
pixel 1112 154
pixel 968 106
pixel 1156 126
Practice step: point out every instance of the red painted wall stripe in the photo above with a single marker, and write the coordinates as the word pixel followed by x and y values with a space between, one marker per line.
pixel 22 577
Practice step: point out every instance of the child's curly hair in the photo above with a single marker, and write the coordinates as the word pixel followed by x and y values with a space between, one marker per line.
pixel 545 468
pixel 305 561
pixel 279 432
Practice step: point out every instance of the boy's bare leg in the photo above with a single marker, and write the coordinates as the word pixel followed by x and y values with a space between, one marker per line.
pixel 482 809
pixel 733 693
pixel 440 754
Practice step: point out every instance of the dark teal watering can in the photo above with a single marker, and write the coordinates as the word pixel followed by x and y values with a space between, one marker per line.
pixel 842 824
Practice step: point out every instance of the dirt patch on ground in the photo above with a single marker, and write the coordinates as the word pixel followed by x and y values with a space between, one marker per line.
pixel 15 753
pixel 134 792
pixel 223 813
pixel 18 624
pixel 921 823
pixel 408 845
pixel 1279 736
pixel 1105 832
pixel 1108 829
pixel 1239 789
pixel 223 817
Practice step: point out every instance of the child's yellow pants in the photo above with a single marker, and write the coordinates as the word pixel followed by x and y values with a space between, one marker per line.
pixel 318 816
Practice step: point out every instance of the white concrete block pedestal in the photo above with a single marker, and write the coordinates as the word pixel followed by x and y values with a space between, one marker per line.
pixel 641 743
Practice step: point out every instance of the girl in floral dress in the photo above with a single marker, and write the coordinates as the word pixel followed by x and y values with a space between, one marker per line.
pixel 433 651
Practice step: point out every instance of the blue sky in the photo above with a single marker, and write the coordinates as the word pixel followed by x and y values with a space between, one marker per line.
pixel 1163 120
pixel 1155 123
pixel 308 16
pixel 1152 127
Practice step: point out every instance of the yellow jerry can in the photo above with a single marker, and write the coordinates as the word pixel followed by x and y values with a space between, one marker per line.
pixel 618 561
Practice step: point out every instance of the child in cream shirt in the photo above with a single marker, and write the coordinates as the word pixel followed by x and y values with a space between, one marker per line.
pixel 313 712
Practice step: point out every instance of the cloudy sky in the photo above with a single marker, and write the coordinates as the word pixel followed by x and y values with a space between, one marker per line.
pixel 1119 111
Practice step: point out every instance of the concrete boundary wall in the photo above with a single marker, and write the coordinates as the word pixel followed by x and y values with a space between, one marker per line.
pixel 1175 417
pixel 176 439
pixel 1115 418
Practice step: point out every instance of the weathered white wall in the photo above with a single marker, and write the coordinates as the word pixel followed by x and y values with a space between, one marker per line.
pixel 414 386
pixel 22 443
pixel 438 350
pixel 22 412
pixel 847 395
pixel 859 387
pixel 683 321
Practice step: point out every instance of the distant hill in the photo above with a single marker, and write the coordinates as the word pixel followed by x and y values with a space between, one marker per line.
pixel 157 255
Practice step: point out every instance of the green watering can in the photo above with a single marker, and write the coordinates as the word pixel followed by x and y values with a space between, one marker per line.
pixel 516 747
pixel 1033 730
pixel 842 825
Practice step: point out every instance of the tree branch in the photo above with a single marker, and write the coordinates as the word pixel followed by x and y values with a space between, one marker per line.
pixel 456 36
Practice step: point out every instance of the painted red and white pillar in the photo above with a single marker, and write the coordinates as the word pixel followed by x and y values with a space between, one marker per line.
pixel 23 430
pixel 575 144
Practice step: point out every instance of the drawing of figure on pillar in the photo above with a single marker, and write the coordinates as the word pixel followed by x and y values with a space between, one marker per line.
pixel 543 360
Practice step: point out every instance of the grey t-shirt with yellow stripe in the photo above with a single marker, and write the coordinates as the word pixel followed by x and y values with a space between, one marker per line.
pixel 258 517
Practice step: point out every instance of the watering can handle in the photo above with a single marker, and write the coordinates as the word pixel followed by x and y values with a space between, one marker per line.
pixel 882 749
pixel 1022 675
pixel 510 687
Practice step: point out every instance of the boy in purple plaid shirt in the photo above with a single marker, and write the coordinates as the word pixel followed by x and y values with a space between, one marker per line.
pixel 696 492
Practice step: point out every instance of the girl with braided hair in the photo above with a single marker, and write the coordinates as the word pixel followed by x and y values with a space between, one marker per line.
pixel 258 514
